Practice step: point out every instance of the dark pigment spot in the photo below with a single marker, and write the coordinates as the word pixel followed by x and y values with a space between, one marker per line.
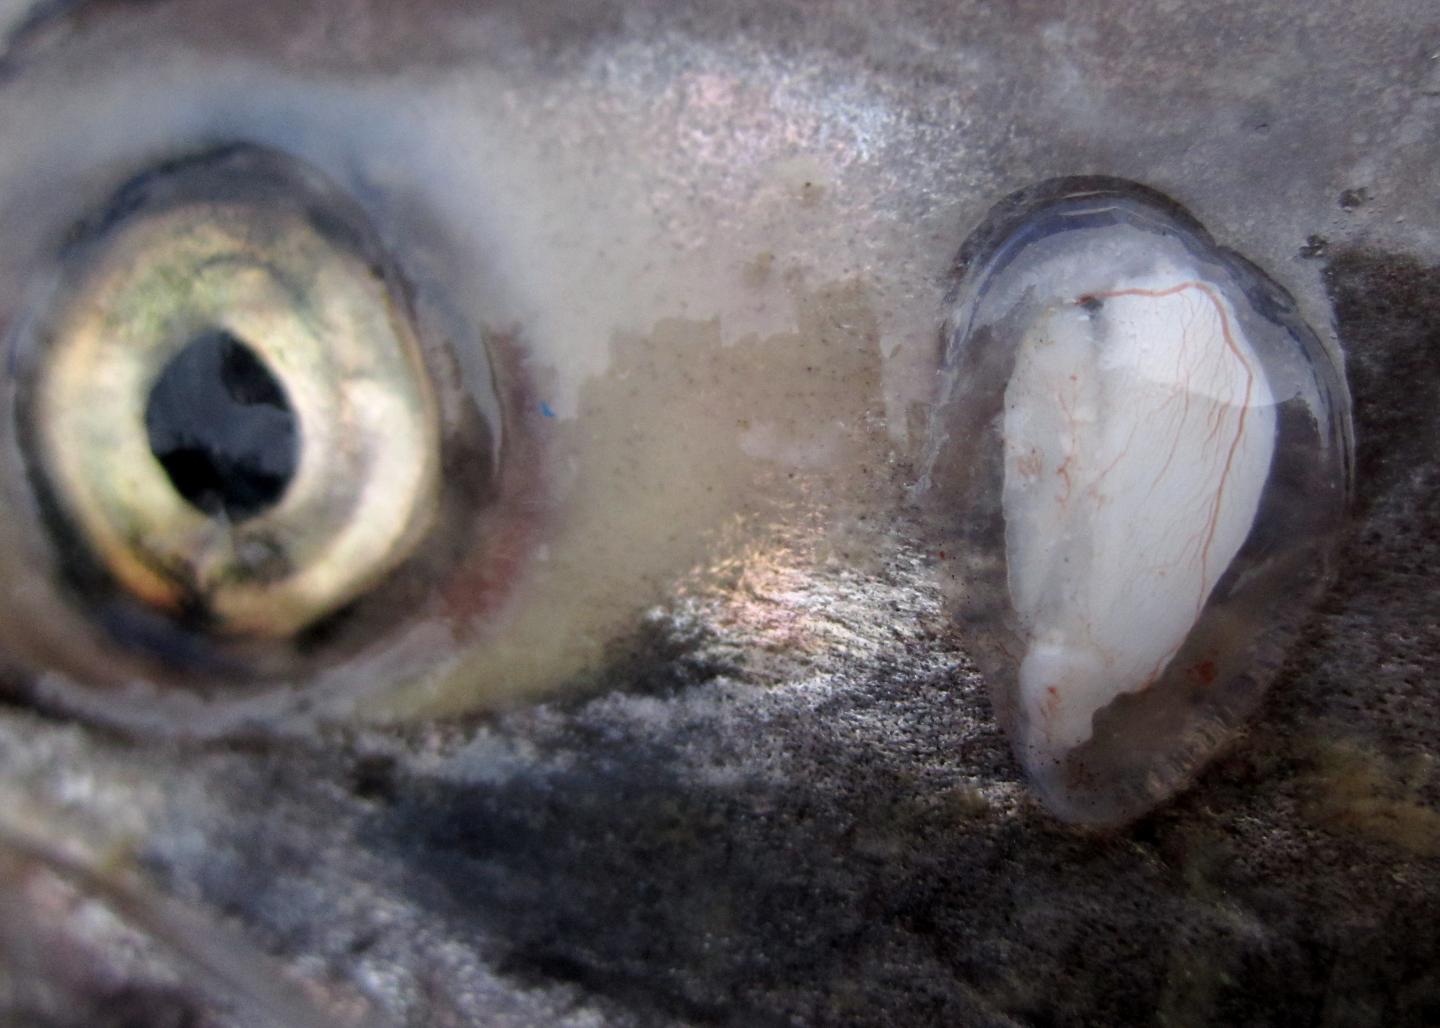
pixel 1353 199
pixel 222 427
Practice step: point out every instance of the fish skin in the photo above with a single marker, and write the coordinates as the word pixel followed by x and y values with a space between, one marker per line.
pixel 771 791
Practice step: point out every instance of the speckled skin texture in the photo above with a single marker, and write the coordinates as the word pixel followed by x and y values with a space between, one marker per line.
pixel 779 796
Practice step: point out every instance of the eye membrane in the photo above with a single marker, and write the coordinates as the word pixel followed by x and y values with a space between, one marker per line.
pixel 1140 469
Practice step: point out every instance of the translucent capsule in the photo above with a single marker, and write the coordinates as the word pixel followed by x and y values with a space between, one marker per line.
pixel 1139 468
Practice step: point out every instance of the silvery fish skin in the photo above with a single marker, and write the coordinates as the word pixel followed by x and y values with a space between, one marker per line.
pixel 718 753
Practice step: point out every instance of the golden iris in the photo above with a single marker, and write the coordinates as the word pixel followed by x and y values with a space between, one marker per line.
pixel 305 501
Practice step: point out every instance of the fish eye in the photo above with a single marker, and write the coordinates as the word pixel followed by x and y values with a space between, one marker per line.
pixel 246 459
pixel 229 415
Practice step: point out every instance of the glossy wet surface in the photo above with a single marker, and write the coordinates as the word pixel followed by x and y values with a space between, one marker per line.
pixel 747 773
pixel 222 428
pixel 1139 469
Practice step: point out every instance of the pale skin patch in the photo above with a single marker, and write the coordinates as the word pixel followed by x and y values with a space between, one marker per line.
pixel 670 484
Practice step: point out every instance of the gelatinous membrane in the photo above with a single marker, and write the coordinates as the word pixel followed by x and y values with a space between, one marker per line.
pixel 1139 467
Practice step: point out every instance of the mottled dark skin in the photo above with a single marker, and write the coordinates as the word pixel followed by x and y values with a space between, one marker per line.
pixel 785 800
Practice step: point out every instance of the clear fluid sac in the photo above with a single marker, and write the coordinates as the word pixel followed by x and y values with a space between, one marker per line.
pixel 1138 468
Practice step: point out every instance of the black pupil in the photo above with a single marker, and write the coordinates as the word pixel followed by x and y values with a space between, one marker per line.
pixel 221 426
